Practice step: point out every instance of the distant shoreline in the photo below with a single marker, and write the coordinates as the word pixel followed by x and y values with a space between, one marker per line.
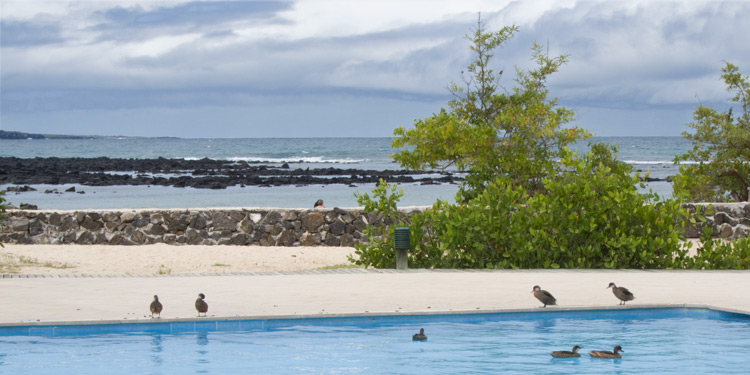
pixel 21 135
pixel 16 135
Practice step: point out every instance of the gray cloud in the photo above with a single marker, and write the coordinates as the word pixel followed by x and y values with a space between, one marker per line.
pixel 192 13
pixel 642 58
pixel 654 59
pixel 135 22
pixel 38 101
pixel 231 74
pixel 14 33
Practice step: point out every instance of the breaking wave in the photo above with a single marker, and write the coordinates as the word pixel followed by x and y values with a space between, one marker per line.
pixel 296 159
pixel 657 162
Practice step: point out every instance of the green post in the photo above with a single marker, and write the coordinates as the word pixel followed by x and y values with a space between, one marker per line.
pixel 401 243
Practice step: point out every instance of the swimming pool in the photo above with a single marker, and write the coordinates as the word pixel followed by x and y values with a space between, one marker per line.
pixel 655 340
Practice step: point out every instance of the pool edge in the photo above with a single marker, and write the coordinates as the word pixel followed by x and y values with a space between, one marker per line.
pixel 219 319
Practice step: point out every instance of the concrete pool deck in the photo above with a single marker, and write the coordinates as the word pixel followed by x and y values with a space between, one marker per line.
pixel 90 299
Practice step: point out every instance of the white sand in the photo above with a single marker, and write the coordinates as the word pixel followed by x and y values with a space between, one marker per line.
pixel 367 292
pixel 165 259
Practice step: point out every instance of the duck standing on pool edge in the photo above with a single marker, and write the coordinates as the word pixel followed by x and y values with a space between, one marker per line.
pixel 155 307
pixel 622 293
pixel 201 305
pixel 543 296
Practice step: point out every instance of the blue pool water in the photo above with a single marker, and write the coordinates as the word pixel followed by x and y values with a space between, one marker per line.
pixel 658 341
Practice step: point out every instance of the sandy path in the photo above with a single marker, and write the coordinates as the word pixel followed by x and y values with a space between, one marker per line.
pixel 164 259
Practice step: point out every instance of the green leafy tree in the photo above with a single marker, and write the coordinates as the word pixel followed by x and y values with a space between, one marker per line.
pixel 490 133
pixel 721 148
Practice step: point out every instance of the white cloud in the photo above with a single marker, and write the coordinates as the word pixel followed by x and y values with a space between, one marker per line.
pixel 342 18
pixel 624 55
pixel 158 46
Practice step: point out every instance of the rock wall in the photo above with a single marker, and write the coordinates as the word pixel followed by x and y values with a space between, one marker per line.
pixel 272 227
pixel 728 220
pixel 327 227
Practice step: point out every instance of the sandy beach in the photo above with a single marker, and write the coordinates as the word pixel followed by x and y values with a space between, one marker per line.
pixel 162 259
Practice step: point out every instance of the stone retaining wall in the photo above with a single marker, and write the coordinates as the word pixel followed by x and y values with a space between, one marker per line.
pixel 729 220
pixel 272 227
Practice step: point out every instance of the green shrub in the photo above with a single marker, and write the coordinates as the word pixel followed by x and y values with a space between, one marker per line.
pixel 591 216
pixel 720 255
pixel 594 217
pixel 716 254
pixel 380 234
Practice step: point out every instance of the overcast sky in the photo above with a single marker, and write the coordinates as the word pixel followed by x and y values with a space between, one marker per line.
pixel 348 68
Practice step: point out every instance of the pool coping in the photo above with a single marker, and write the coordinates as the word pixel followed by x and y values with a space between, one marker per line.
pixel 214 319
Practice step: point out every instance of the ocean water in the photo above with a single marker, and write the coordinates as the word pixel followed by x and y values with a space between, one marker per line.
pixel 647 154
pixel 361 153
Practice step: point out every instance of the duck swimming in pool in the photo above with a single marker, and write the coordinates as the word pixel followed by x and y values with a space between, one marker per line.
pixel 615 353
pixel 419 336
pixel 567 353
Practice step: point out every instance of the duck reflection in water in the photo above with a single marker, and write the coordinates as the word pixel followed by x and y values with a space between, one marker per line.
pixel 544 325
pixel 201 338
pixel 156 349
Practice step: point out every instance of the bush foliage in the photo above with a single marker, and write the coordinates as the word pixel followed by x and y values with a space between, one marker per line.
pixel 591 217
pixel 720 255
pixel 381 235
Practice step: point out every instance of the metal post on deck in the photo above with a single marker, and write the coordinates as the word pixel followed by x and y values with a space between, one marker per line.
pixel 401 243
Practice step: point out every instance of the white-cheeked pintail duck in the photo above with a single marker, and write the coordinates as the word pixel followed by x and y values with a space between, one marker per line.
pixel 615 353
pixel 543 296
pixel 567 353
pixel 156 307
pixel 419 336
pixel 201 305
pixel 622 293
